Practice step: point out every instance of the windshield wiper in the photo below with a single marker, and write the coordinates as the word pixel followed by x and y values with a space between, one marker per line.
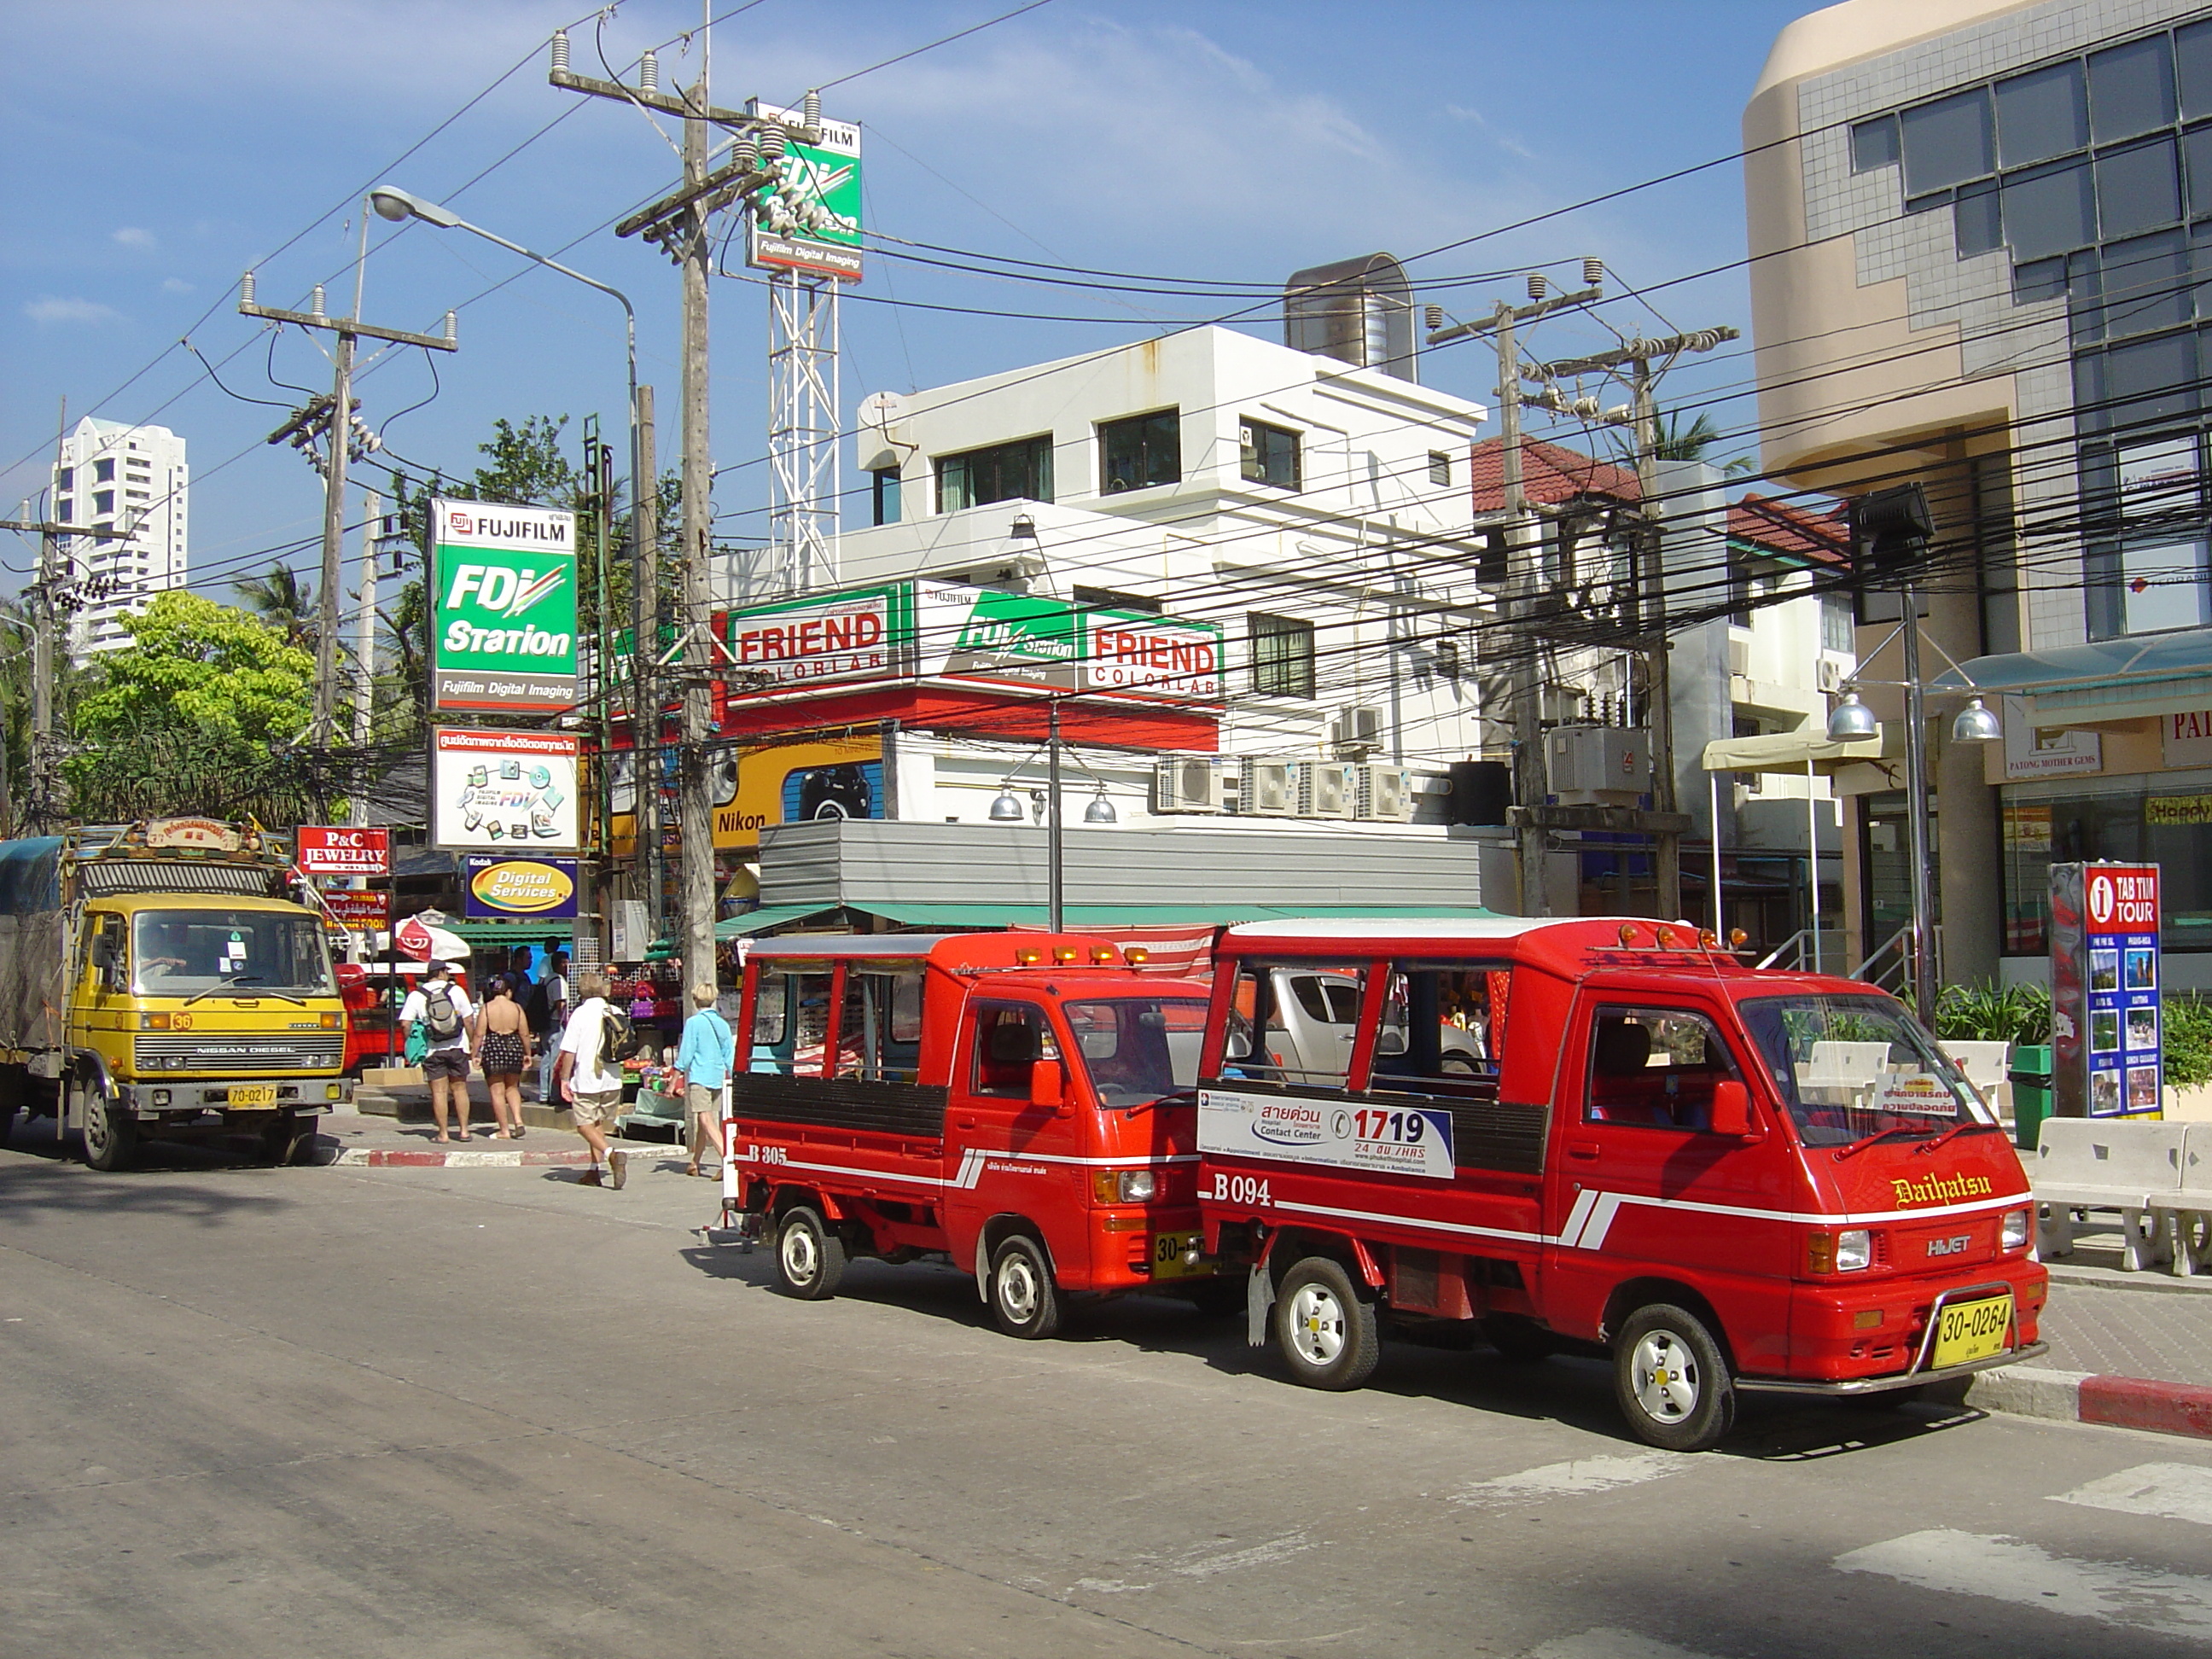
pixel 1878 1135
pixel 1178 1098
pixel 242 979
pixel 1958 1129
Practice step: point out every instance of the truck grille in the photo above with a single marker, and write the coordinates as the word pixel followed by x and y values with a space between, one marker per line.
pixel 307 1052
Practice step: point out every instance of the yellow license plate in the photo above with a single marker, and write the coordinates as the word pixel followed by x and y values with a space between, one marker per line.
pixel 1967 1331
pixel 253 1094
pixel 1170 1254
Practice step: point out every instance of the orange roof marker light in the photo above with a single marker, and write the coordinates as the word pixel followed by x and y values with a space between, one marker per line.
pixel 1029 958
pixel 1627 933
pixel 1102 953
pixel 1737 938
pixel 1709 939
pixel 1663 937
pixel 1136 956
pixel 1066 953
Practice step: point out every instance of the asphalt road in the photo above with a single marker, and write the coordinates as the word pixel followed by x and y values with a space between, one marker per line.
pixel 477 1411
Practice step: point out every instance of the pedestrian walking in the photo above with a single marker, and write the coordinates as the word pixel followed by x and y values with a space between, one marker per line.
pixel 705 1057
pixel 588 1076
pixel 502 1048
pixel 546 1006
pixel 441 1010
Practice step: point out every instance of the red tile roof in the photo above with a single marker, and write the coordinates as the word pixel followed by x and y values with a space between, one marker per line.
pixel 1550 474
pixel 1779 527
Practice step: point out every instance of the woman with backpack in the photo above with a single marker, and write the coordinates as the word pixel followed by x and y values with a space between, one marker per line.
pixel 502 1048
pixel 441 1012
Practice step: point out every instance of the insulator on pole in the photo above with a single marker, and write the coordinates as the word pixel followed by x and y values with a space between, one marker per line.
pixel 560 51
pixel 811 111
pixel 648 71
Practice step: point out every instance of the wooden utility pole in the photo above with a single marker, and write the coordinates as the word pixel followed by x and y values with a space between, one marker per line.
pixel 694 812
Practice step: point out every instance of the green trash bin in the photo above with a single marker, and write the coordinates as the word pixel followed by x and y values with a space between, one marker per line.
pixel 2030 1076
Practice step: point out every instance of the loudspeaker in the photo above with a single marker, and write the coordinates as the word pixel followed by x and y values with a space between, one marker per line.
pixel 1481 791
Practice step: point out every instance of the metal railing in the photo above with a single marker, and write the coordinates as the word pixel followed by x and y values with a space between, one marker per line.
pixel 1795 954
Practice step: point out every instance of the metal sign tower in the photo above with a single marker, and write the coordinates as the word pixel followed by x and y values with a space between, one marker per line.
pixel 802 438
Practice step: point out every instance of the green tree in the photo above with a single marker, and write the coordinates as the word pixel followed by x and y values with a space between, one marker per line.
pixel 283 598
pixel 1679 442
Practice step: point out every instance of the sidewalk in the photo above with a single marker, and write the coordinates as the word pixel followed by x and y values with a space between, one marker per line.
pixel 408 1141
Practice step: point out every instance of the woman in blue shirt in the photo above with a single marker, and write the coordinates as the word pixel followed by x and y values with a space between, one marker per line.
pixel 705 1057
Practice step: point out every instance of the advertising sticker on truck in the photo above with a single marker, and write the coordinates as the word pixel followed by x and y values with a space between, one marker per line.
pixel 1386 1140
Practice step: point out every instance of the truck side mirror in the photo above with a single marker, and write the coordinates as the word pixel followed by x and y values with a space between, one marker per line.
pixel 1047 1085
pixel 1732 1109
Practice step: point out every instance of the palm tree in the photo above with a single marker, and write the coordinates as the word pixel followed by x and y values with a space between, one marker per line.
pixel 285 600
pixel 1678 442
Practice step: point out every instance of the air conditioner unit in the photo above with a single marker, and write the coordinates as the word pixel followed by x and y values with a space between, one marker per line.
pixel 1386 793
pixel 1269 788
pixel 1832 675
pixel 1328 789
pixel 1357 727
pixel 1186 784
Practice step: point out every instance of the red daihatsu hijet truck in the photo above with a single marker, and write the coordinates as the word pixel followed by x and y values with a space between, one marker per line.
pixel 1728 1179
pixel 1017 1104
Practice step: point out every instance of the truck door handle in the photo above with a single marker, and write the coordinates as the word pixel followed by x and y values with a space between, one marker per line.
pixel 1582 1149
pixel 967 1122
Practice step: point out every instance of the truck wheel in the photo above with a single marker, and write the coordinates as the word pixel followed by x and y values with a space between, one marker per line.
pixel 810 1258
pixel 1023 1299
pixel 285 1140
pixel 1671 1379
pixel 1325 1328
pixel 110 1137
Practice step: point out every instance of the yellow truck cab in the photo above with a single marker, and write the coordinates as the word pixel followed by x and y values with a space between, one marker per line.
pixel 153 981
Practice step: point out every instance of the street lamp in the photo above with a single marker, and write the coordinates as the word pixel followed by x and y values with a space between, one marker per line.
pixel 1976 724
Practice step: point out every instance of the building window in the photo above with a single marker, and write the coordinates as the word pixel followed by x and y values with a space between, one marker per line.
pixel 103 470
pixel 1740 587
pixel 1112 599
pixel 1141 452
pixel 1873 144
pixel 2138 188
pixel 1947 142
pixel 2042 115
pixel 1268 454
pixel 1490 569
pixel 1974 219
pixel 64 509
pixel 1440 468
pixel 1021 470
pixel 103 501
pixel 2130 89
pixel 1835 624
pixel 1282 656
pixel 68 480
pixel 2050 209
pixel 884 495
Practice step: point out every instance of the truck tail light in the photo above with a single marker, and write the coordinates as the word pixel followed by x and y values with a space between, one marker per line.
pixel 1846 1252
pixel 2012 1232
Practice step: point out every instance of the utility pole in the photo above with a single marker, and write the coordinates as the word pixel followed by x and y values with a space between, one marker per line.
pixel 645 648
pixel 53 598
pixel 364 642
pixel 332 418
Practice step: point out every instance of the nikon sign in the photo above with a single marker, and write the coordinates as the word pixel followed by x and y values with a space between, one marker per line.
pixel 503 607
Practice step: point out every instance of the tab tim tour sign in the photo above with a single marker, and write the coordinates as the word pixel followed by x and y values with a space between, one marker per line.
pixel 503 607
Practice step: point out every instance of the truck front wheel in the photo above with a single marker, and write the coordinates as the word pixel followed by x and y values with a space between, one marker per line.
pixel 1672 1379
pixel 287 1139
pixel 810 1258
pixel 1023 1299
pixel 1324 1327
pixel 110 1135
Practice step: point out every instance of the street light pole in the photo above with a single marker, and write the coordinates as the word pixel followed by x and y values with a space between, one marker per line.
pixel 1055 876
pixel 1915 811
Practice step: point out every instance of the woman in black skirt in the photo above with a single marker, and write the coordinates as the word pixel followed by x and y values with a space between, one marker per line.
pixel 503 1049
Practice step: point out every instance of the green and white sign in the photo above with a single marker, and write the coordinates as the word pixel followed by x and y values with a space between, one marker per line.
pixel 810 221
pixel 502 607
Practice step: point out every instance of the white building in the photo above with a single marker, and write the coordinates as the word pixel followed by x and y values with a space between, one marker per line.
pixel 112 476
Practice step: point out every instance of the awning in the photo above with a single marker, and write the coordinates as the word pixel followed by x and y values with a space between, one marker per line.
pixel 2105 681
pixel 1789 751
pixel 955 918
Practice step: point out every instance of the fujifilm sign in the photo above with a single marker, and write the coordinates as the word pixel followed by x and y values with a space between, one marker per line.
pixel 504 582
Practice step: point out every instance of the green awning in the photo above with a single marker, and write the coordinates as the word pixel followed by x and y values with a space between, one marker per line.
pixel 521 931
pixel 2106 680
pixel 954 918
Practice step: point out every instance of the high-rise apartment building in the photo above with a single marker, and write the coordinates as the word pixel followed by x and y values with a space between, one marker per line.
pixel 111 476
pixel 1981 234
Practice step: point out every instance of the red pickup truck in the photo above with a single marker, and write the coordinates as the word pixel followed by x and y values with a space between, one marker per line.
pixel 994 1099
pixel 1724 1179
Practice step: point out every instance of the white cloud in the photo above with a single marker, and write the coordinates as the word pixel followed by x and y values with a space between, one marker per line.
pixel 176 285
pixel 47 309
pixel 132 236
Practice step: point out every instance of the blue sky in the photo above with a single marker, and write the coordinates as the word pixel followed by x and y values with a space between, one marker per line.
pixel 158 149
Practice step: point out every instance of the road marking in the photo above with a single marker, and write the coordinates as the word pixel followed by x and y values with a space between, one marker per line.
pixel 1258 1555
pixel 1578 1478
pixel 2174 1492
pixel 1606 1643
pixel 2007 1570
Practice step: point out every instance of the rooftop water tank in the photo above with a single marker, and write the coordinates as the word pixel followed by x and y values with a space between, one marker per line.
pixel 1357 310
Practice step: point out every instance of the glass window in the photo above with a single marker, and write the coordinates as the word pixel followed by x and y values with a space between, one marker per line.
pixel 1947 142
pixel 2042 115
pixel 884 495
pixel 2196 162
pixel 1974 221
pixel 2138 188
pixel 1140 452
pixel 181 952
pixel 65 511
pixel 2130 89
pixel 1307 1016
pixel 2050 209
pixel 103 470
pixel 2193 58
pixel 1655 1067
pixel 1873 144
pixel 1269 454
pixel 2039 279
pixel 2145 284
pixel 1010 1037
pixel 2153 380
pixel 1439 467
pixel 2161 586
pixel 1837 628
pixel 103 501
pixel 1020 471
pixel 1137 1049
pixel 1858 1068
pixel 1441 1026
pixel 68 480
pixel 1282 655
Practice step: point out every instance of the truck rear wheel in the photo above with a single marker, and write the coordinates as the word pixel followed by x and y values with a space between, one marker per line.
pixel 1325 1328
pixel 810 1258
pixel 1672 1380
pixel 1023 1299
pixel 111 1137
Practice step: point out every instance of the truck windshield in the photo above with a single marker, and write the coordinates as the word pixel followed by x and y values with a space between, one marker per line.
pixel 1138 1049
pixel 183 952
pixel 1851 1068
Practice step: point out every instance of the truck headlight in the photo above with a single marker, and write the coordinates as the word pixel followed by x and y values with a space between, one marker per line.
pixel 1138 1186
pixel 2012 1231
pixel 1854 1249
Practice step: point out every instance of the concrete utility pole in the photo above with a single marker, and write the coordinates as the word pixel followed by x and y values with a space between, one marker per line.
pixel 694 812
pixel 332 418
pixel 53 598
pixel 364 641
pixel 644 641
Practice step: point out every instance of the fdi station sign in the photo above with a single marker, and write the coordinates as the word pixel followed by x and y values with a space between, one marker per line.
pixel 2107 1017
pixel 499 791
pixel 810 220
pixel 502 593
pixel 338 850
pixel 495 887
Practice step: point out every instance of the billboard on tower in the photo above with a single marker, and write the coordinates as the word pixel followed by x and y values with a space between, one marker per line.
pixel 811 221
pixel 502 607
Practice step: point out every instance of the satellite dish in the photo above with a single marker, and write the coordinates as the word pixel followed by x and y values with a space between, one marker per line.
pixel 880 411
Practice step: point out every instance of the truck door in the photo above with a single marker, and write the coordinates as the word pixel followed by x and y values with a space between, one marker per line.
pixel 1004 1154
pixel 1644 1188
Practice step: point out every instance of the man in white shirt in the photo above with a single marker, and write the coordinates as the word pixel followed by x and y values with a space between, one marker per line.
pixel 589 1082
pixel 443 1011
